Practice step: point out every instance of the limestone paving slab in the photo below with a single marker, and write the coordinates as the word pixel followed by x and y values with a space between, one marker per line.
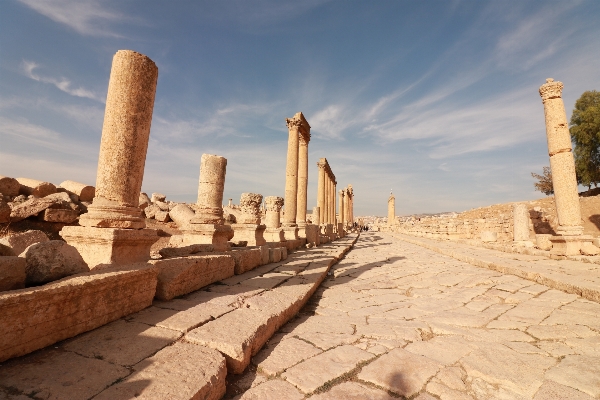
pixel 272 390
pixel 288 352
pixel 316 371
pixel 353 391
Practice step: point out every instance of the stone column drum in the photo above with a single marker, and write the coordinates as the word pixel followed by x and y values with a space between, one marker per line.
pixel 123 147
pixel 321 192
pixel 291 173
pixel 249 228
pixel 302 178
pixel 208 226
pixel 521 223
pixel 273 233
pixel 562 164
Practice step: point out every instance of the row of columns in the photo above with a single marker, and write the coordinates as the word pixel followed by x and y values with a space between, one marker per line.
pixel 326 193
pixel 296 171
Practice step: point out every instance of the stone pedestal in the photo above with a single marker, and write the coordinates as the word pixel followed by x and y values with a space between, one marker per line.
pixel 251 233
pixel 291 232
pixel 110 245
pixel 215 234
pixel 340 230
pixel 569 245
pixel 274 235
pixel 274 232
pixel 312 234
pixel 249 227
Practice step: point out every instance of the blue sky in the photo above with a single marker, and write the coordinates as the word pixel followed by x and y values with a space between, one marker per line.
pixel 437 100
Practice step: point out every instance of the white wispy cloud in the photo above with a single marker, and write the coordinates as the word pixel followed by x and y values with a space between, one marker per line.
pixel 62 83
pixel 88 17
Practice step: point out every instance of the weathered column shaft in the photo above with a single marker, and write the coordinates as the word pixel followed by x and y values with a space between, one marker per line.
pixel 334 203
pixel 562 162
pixel 291 173
pixel 124 143
pixel 345 204
pixel 341 205
pixel 520 222
pixel 321 193
pixel 210 190
pixel 391 210
pixel 272 217
pixel 302 180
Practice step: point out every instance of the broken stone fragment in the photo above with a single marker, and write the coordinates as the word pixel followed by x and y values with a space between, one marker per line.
pixel 162 216
pixel 28 208
pixel 588 249
pixel 169 252
pixel 50 261
pixel 33 187
pixel 162 205
pixel 12 273
pixel 18 242
pixel 83 191
pixel 58 215
pixel 9 186
pixel 151 210
pixel 158 197
pixel 144 201
pixel 4 212
pixel 182 215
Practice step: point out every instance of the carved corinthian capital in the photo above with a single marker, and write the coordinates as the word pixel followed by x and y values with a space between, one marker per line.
pixel 551 89
pixel 250 205
pixel 293 123
pixel 274 203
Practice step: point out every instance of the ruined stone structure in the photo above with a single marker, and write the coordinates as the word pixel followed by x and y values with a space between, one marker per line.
pixel 570 239
pixel 112 230
pixel 349 213
pixel 296 175
pixel 391 210
pixel 273 232
pixel 249 228
pixel 326 193
pixel 208 226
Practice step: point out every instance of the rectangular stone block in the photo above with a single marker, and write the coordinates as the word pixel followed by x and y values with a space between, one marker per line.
pixel 179 276
pixel 38 317
pixel 275 254
pixel 246 259
pixel 12 273
pixel 265 254
pixel 58 215
pixel 312 234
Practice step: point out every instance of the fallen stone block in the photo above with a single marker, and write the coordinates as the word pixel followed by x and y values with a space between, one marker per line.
pixel 158 197
pixel 18 242
pixel 5 211
pixel 83 191
pixel 162 216
pixel 29 208
pixel 12 273
pixel 33 187
pixel 170 252
pixel 58 215
pixel 162 205
pixel 151 211
pixel 246 259
pixel 179 276
pixel 182 371
pixel 275 254
pixel 144 201
pixel 9 186
pixel 182 215
pixel 265 254
pixel 50 261
pixel 38 317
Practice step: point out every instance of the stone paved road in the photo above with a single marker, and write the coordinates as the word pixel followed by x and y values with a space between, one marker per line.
pixel 398 320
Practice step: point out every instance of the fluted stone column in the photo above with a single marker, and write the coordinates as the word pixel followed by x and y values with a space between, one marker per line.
pixel 520 223
pixel 321 192
pixel 208 225
pixel 391 210
pixel 123 147
pixel 302 178
pixel 291 173
pixel 273 233
pixel 341 205
pixel 249 228
pixel 562 165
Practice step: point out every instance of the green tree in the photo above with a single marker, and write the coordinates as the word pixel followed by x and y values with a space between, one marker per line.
pixel 585 135
pixel 544 183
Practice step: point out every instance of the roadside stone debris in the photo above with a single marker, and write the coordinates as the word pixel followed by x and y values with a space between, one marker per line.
pixel 107 292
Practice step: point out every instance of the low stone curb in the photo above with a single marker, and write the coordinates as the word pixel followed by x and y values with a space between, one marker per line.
pixel 583 280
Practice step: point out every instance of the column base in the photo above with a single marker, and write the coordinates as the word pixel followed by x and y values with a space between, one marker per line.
pixel 217 235
pixel 291 232
pixel 100 216
pixel 301 229
pixel 340 230
pixel 251 233
pixel 110 245
pixel 568 245
pixel 274 235
pixel 312 234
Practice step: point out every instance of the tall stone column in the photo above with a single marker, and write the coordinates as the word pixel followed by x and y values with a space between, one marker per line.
pixel 291 173
pixel 391 210
pixel 351 204
pixel 302 178
pixel 321 192
pixel 208 226
pixel 345 221
pixel 123 147
pixel 562 165
pixel 326 202
pixel 333 203
pixel 341 206
pixel 273 233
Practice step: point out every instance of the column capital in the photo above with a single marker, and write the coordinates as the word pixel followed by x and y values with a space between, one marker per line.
pixel 342 192
pixel 322 163
pixel 551 89
pixel 274 203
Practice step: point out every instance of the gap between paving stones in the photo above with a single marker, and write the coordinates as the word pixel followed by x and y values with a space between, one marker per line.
pixel 575 277
pixel 181 348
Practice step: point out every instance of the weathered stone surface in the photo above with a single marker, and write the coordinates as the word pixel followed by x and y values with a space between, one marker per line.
pixel 144 201
pixel 353 391
pixel 184 319
pixel 38 317
pixel 489 236
pixel 59 215
pixel 52 260
pixel 579 372
pixel 179 276
pixel 56 374
pixel 246 259
pixel 9 186
pixel 29 208
pixel 182 371
pixel 151 210
pixel 18 242
pixel 182 215
pixel 121 342
pixel 5 211
pixel 158 197
pixel 445 350
pixel 400 371
pixel 168 252
pixel 12 273
pixel 83 191
pixel 162 216
pixel 112 246
pixel 311 374
pixel 33 187
pixel 551 390
pixel 272 390
pixel 288 352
